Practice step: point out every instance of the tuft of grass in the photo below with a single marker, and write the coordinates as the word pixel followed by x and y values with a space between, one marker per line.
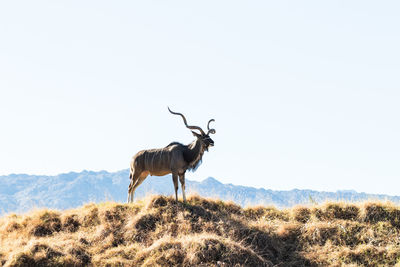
pixel 340 210
pixel 374 212
pixel 157 231
pixel 301 214
pixel 265 213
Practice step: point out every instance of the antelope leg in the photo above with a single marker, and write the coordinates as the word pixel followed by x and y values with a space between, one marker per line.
pixel 175 180
pixel 182 180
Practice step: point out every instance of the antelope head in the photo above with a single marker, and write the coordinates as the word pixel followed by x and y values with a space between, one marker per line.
pixel 203 137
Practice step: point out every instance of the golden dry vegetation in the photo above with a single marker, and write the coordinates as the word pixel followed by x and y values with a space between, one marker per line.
pixel 204 232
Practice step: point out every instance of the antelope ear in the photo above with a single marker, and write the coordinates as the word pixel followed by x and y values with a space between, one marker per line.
pixel 196 134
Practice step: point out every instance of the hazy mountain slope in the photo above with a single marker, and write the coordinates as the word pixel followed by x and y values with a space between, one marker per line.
pixel 21 192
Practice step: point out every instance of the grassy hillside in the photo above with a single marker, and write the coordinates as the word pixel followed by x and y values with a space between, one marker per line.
pixel 156 231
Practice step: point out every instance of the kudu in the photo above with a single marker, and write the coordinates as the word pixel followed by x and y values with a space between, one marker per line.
pixel 175 158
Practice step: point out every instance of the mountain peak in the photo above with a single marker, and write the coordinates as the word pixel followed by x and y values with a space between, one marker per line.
pixel 211 180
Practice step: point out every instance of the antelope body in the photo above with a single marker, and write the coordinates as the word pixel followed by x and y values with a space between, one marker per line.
pixel 175 158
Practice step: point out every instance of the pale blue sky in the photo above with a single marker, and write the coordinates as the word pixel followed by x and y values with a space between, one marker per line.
pixel 305 93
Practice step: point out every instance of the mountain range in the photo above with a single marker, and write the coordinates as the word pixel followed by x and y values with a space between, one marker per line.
pixel 23 192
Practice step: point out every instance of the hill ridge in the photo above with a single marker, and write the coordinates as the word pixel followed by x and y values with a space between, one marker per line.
pixel 157 231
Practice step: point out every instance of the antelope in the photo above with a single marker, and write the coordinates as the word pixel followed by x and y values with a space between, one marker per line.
pixel 175 158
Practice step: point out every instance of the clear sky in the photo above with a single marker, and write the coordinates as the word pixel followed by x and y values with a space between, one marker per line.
pixel 305 94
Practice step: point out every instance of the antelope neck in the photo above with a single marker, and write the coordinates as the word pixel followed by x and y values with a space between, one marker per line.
pixel 196 150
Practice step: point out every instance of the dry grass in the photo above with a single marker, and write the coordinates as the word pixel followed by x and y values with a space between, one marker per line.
pixel 205 232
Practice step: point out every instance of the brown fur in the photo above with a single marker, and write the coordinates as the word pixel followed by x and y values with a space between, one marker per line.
pixel 175 158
